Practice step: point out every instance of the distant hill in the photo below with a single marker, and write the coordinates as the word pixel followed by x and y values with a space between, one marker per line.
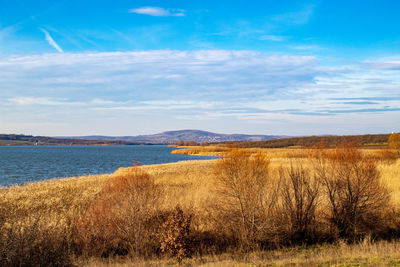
pixel 29 140
pixel 171 137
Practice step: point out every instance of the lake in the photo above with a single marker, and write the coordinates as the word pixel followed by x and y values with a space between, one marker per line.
pixel 20 164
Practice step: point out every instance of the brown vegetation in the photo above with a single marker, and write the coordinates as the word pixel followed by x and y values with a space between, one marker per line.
pixel 394 141
pixel 122 218
pixel 34 243
pixel 249 200
pixel 309 141
pixel 175 235
pixel 300 193
pixel 357 199
pixel 244 196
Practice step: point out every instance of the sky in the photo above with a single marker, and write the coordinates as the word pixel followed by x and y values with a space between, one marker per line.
pixel 296 68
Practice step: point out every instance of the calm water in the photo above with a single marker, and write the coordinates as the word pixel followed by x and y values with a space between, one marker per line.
pixel 19 164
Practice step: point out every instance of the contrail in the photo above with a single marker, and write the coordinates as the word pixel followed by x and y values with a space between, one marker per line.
pixel 51 40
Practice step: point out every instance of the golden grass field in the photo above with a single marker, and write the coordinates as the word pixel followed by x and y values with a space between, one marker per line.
pixel 191 185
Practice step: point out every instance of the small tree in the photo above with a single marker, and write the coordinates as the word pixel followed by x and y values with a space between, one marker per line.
pixel 355 195
pixel 394 141
pixel 180 142
pixel 300 195
pixel 243 189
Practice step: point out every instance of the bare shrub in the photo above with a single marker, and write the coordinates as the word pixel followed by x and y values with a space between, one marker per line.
pixel 300 196
pixel 180 142
pixel 190 143
pixel 96 233
pixel 34 244
pixel 175 235
pixel 245 198
pixel 356 197
pixel 117 221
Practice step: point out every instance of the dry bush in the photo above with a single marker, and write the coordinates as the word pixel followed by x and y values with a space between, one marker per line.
pixel 244 196
pixel 123 217
pixel 34 244
pixel 175 235
pixel 394 141
pixel 180 142
pixel 191 143
pixel 300 198
pixel 356 198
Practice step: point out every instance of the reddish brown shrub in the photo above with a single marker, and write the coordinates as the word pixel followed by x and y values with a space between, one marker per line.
pixel 191 143
pixel 180 142
pixel 116 222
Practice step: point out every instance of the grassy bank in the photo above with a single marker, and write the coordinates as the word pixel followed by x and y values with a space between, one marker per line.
pixel 66 204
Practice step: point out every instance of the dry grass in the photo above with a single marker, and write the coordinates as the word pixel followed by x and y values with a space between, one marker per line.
pixel 53 199
pixel 385 155
pixel 201 150
pixel 191 184
pixel 341 254
pixel 188 183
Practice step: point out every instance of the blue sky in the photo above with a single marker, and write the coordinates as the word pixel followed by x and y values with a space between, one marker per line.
pixel 140 67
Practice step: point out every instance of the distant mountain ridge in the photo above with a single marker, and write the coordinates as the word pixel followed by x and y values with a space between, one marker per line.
pixel 30 140
pixel 171 137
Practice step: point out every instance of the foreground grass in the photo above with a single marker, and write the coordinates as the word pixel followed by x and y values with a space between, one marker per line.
pixel 191 185
pixel 188 183
pixel 61 200
pixel 365 253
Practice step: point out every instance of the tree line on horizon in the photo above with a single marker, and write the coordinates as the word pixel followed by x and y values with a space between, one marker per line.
pixel 373 140
pixel 339 195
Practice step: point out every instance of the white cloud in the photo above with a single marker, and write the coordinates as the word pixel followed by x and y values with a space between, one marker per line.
pixel 53 101
pixel 306 47
pixel 51 41
pixel 276 38
pixel 158 11
pixel 169 87
pixel 44 101
pixel 298 17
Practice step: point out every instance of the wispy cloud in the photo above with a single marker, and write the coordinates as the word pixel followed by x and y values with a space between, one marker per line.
pixel 172 87
pixel 158 11
pixel 44 101
pixel 163 105
pixel 306 47
pixel 276 38
pixel 51 41
pixel 298 17
pixel 5 31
